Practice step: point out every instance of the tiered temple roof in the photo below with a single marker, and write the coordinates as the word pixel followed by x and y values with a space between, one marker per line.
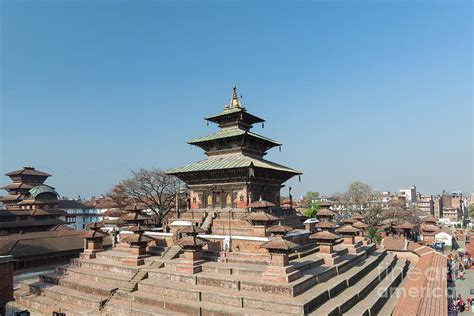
pixel 235 155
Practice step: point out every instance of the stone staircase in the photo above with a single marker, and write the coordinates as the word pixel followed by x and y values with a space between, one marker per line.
pixel 83 288
pixel 206 225
pixel 171 253
pixel 237 289
pixel 103 286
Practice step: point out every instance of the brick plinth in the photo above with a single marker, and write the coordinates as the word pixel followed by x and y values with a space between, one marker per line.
pixel 326 248
pixel 191 262
pixel 135 260
pixel 348 240
pixel 281 274
pixel 355 248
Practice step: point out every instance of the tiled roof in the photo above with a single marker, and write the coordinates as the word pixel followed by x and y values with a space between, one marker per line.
pixel 231 132
pixel 279 244
pixel 232 110
pixel 428 281
pixel 27 223
pixel 395 243
pixel 231 162
pixel 18 185
pixel 28 171
pixel 43 188
pixel 261 204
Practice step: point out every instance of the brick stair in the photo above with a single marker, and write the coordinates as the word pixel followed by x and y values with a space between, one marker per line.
pixel 351 295
pixel 98 276
pixel 119 306
pixel 374 302
pixel 326 290
pixel 41 305
pixel 171 253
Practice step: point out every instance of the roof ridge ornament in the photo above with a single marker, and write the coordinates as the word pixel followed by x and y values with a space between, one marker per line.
pixel 235 102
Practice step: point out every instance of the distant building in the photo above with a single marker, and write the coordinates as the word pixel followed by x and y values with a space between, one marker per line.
pixel 425 204
pixel 409 195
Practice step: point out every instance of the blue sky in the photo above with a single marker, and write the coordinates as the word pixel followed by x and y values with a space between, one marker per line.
pixel 377 91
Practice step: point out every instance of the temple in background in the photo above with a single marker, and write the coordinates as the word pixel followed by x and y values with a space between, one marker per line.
pixel 31 229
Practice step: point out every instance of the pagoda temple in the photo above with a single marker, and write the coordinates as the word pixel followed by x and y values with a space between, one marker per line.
pixel 31 225
pixel 30 204
pixel 235 172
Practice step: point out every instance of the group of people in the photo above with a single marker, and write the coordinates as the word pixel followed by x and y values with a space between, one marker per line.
pixel 457 264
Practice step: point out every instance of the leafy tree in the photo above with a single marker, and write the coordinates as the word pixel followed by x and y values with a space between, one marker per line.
pixel 374 234
pixel 310 212
pixel 471 211
pixel 310 198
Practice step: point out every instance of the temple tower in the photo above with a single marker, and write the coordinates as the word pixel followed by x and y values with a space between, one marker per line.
pixel 235 172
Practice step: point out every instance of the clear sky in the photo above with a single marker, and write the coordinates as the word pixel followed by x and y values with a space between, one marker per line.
pixel 377 91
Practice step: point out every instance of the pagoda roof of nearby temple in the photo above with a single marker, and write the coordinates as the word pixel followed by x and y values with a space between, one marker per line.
pixel 325 224
pixel 231 162
pixel 42 188
pixel 360 225
pixel 11 197
pixel 260 217
pixel 231 132
pixel 191 241
pixel 279 244
pixel 231 111
pixel 29 171
pixel 347 229
pixel 17 185
pixel 261 204
pixel 93 234
pixel 325 212
pixel 324 235
pixel 280 229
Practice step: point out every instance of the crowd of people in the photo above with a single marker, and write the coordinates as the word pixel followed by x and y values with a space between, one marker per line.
pixel 457 264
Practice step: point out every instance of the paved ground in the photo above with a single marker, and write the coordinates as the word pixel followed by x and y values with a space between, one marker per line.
pixel 464 286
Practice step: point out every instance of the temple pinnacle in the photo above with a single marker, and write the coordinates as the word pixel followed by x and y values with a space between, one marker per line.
pixel 235 103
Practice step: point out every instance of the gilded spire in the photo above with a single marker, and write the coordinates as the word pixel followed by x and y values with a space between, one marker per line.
pixel 235 103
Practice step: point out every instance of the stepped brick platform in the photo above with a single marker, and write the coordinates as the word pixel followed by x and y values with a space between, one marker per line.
pixel 105 286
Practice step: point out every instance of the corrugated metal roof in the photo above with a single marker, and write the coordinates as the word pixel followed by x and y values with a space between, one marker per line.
pixel 230 162
pixel 231 132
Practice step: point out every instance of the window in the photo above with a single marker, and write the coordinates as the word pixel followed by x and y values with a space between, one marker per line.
pixel 209 201
pixel 228 200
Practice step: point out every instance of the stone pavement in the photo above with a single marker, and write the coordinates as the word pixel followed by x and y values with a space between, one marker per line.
pixel 464 286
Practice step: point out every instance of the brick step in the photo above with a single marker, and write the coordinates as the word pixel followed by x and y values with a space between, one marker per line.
pixel 351 295
pixel 211 294
pixel 79 284
pixel 41 305
pixel 64 294
pixel 323 291
pixel 112 256
pixel 374 302
pixel 322 273
pixel 222 281
pixel 106 266
pixel 191 307
pixel 111 278
pixel 234 269
pixel 126 307
pixel 305 251
pixel 307 263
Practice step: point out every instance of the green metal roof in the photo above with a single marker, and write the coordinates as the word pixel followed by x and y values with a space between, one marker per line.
pixel 228 111
pixel 43 188
pixel 231 162
pixel 231 132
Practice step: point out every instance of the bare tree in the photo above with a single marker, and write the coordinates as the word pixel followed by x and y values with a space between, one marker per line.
pixel 357 196
pixel 154 189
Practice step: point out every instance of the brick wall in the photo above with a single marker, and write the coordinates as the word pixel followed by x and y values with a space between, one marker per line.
pixel 6 277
